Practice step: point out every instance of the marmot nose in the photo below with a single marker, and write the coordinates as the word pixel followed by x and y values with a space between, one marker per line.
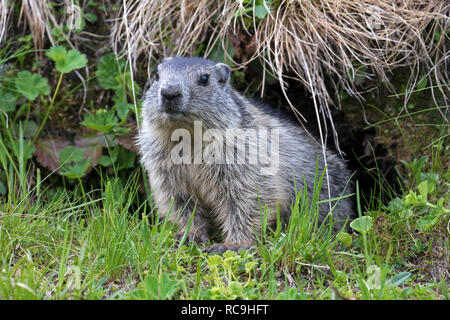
pixel 171 93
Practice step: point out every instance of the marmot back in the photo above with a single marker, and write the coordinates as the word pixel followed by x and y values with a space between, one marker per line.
pixel 207 147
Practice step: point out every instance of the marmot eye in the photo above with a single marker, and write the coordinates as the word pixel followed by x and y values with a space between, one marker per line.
pixel 157 76
pixel 203 80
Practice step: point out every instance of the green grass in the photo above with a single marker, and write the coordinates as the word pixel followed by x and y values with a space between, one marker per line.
pixel 109 244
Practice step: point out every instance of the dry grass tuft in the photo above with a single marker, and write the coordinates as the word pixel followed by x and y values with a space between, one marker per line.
pixel 157 29
pixel 319 42
pixel 3 18
pixel 327 45
pixel 37 15
pixel 40 17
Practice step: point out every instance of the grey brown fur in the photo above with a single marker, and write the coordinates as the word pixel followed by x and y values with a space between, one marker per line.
pixel 226 195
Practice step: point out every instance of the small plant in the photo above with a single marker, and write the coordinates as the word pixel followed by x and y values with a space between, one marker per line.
pixel 31 85
pixel 417 209
pixel 65 62
pixel 114 74
pixel 225 278
pixel 74 164
pixel 103 120
pixel 157 287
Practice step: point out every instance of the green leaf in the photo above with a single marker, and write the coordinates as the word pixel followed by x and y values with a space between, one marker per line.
pixel 7 102
pixel 77 170
pixel 422 83
pixel 344 238
pixel 104 120
pixel 432 178
pixel 91 17
pixel 157 288
pixel 70 154
pixel 261 10
pixel 218 53
pixel 425 223
pixel 249 266
pixel 292 294
pixel 105 161
pixel 57 54
pixel 66 61
pixel 125 158
pixel 399 279
pixel 122 108
pixel 109 70
pixel 423 188
pixel 30 85
pixel 214 260
pixel 30 129
pixel 2 189
pixel 396 205
pixel 362 224
pixel 80 165
pixel 411 199
pixel 113 73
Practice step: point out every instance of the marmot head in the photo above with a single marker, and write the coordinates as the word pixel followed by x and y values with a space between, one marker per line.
pixel 189 89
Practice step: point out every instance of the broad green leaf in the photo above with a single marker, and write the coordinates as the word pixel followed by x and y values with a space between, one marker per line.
pixel 411 199
pixel 105 161
pixel 214 260
pixel 74 164
pixel 399 279
pixel 260 9
pixel 396 205
pixel 57 53
pixel 109 70
pixel 66 61
pixel 125 158
pixel 7 102
pixel 344 238
pixel 91 17
pixel 77 170
pixel 362 224
pixel 113 73
pixel 70 154
pixel 30 128
pixel 156 288
pixel 103 120
pixel 432 178
pixel 423 188
pixel 30 85
pixel 425 223
pixel 218 53
pixel 292 294
pixel 122 109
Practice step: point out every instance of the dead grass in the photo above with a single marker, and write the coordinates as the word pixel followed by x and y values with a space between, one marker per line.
pixel 40 18
pixel 3 18
pixel 325 44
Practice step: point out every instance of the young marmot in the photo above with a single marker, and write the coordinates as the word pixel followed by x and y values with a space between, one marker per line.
pixel 207 147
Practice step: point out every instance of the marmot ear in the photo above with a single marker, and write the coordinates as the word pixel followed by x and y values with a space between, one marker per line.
pixel 223 72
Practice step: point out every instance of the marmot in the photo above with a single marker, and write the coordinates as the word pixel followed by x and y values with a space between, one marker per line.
pixel 192 120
